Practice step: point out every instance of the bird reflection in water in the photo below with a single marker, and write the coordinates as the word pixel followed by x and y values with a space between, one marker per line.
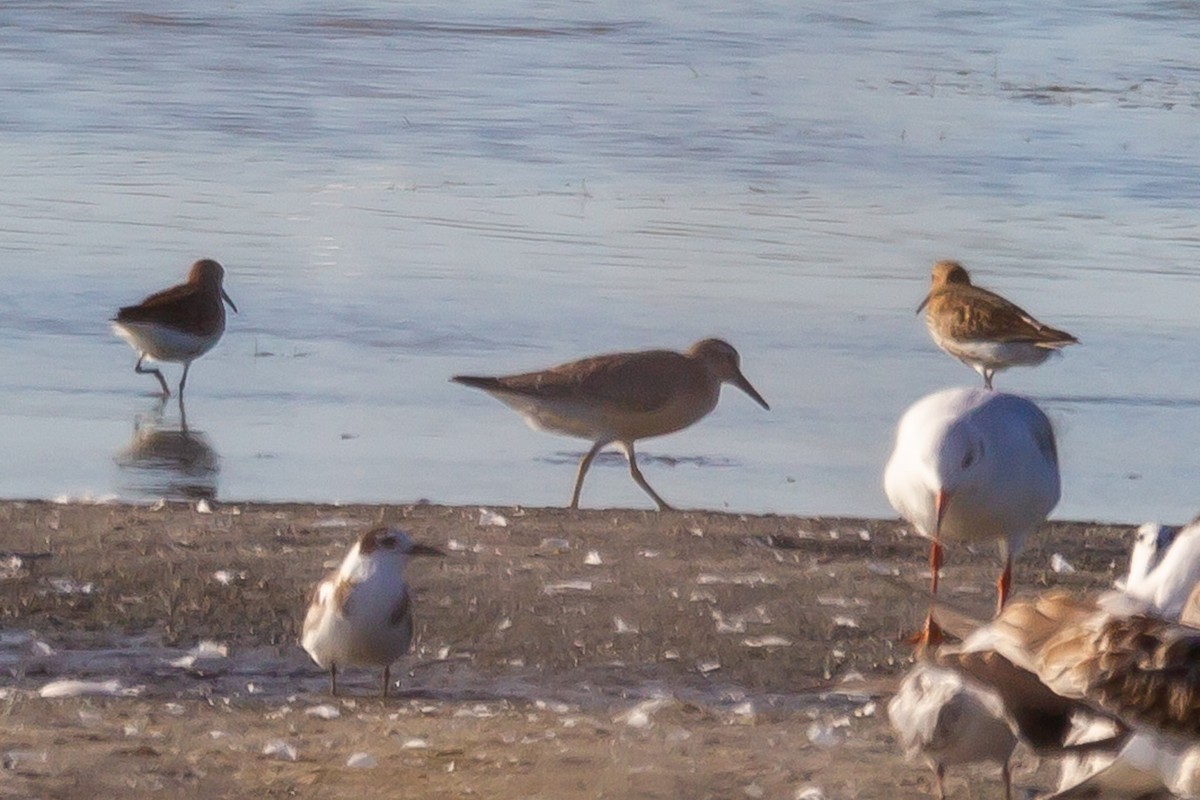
pixel 166 461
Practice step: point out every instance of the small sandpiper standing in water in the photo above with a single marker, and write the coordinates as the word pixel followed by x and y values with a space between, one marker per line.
pixel 981 328
pixel 621 397
pixel 179 324
pixel 361 613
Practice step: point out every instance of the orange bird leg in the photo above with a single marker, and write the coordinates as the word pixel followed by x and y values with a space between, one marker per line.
pixel 1003 584
pixel 932 636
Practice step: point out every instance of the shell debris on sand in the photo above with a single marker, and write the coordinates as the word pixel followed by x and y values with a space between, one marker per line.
pixel 742 696
pixel 76 688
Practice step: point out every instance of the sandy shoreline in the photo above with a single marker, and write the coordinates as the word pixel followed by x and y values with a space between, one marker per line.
pixel 704 655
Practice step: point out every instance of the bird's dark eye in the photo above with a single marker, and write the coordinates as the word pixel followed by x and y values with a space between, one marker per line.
pixel 388 541
pixel 968 459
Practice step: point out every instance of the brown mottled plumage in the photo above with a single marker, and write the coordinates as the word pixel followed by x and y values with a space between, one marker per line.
pixel 981 328
pixel 1106 652
pixel 621 397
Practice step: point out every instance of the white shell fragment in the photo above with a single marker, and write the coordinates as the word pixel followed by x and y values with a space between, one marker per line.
pixel 278 748
pixel 490 519
pixel 567 586
pixel 73 688
pixel 323 711
pixel 1060 564
pixel 769 640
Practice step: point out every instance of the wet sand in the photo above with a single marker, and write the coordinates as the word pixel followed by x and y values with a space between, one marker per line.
pixel 611 653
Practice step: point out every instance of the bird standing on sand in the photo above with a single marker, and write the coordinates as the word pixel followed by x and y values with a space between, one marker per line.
pixel 973 465
pixel 981 328
pixel 622 397
pixel 939 715
pixel 361 613
pixel 179 324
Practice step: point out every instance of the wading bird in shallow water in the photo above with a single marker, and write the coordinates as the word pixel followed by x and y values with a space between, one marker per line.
pixel 981 328
pixel 622 397
pixel 179 324
pixel 973 465
pixel 361 613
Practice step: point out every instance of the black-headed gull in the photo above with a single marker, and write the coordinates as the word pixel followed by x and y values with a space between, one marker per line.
pixel 973 465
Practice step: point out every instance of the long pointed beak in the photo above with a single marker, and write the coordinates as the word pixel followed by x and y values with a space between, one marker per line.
pixel 924 303
pixel 940 504
pixel 740 382
pixel 419 549
pixel 227 300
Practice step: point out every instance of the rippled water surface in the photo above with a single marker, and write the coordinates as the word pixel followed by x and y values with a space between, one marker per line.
pixel 400 193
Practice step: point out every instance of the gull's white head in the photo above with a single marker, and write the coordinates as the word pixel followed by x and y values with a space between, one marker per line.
pixel 1164 572
pixel 1150 544
pixel 959 464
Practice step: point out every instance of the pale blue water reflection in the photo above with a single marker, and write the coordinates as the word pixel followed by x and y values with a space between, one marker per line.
pixel 403 193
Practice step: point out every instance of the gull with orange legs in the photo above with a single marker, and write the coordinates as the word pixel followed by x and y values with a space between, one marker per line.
pixel 361 613
pixel 619 398
pixel 981 328
pixel 178 324
pixel 973 465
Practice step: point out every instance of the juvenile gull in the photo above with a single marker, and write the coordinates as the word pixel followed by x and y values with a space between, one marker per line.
pixel 361 613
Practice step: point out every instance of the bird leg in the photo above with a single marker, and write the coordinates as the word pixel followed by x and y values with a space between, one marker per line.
pixel 935 568
pixel 183 381
pixel 584 464
pixel 1006 774
pixel 387 678
pixel 1003 584
pixel 987 377
pixel 138 368
pixel 639 480
pixel 333 679
pixel 939 778
pixel 931 635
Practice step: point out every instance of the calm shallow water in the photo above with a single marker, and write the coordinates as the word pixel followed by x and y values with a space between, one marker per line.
pixel 399 195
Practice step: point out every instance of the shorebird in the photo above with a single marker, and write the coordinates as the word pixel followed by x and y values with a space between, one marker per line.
pixel 622 397
pixel 179 324
pixel 940 716
pixel 973 465
pixel 361 613
pixel 981 328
